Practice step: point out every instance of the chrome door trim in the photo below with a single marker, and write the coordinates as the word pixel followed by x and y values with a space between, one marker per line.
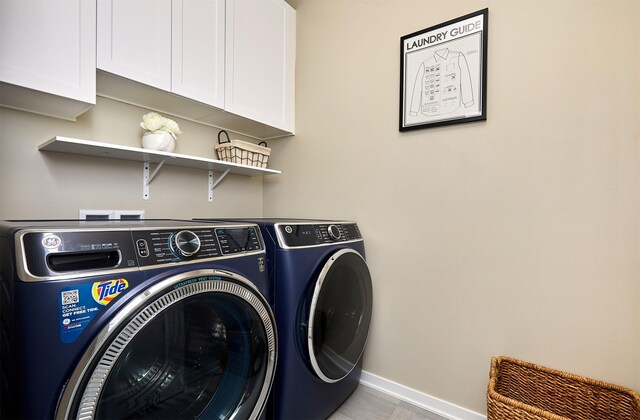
pixel 314 301
pixel 150 303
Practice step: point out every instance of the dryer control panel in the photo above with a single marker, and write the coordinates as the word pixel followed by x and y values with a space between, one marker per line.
pixel 293 235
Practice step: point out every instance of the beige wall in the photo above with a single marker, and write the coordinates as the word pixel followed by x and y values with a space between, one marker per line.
pixel 34 184
pixel 516 236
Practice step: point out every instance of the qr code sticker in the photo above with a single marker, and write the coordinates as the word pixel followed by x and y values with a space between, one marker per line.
pixel 70 296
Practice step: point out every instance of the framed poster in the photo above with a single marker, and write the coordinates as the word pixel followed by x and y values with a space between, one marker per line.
pixel 443 72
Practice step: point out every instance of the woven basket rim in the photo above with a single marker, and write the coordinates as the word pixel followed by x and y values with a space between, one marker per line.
pixel 245 145
pixel 493 378
pixel 495 395
pixel 575 377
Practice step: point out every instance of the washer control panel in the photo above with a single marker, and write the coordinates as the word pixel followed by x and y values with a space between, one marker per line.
pixel 50 253
pixel 167 246
pixel 293 235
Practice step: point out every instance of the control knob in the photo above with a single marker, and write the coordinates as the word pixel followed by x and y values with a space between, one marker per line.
pixel 186 243
pixel 334 232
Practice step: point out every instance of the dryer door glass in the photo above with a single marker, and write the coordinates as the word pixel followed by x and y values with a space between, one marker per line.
pixel 340 315
pixel 202 352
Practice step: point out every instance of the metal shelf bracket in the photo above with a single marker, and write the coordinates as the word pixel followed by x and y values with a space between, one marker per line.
pixel 146 178
pixel 213 184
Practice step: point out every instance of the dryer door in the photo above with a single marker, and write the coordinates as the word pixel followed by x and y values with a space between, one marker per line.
pixel 340 315
pixel 197 345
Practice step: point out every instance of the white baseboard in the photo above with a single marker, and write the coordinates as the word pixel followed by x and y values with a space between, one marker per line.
pixel 428 402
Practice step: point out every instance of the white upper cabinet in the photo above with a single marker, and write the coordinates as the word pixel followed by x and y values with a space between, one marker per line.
pixel 48 56
pixel 260 61
pixel 197 68
pixel 230 64
pixel 134 40
pixel 172 45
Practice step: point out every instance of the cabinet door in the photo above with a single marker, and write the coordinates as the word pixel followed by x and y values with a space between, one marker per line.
pixel 198 50
pixel 49 47
pixel 260 61
pixel 134 40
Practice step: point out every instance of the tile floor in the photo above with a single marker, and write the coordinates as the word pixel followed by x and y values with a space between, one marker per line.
pixel 368 404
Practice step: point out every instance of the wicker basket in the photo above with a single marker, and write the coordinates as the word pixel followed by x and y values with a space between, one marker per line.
pixel 242 152
pixel 521 390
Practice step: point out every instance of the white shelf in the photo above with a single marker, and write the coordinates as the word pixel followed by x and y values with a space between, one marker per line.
pixel 147 157
pixel 98 149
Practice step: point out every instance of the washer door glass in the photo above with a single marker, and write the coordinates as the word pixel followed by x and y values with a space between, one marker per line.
pixel 199 351
pixel 340 315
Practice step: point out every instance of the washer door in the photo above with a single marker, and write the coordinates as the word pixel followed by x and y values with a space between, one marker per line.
pixel 197 345
pixel 340 315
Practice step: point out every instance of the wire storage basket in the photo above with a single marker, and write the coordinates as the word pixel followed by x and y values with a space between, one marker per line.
pixel 523 391
pixel 242 152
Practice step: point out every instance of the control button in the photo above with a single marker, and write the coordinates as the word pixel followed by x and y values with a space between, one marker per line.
pixel 186 243
pixel 334 232
pixel 143 248
pixel 288 229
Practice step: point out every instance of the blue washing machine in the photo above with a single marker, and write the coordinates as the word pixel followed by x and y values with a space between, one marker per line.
pixel 322 299
pixel 154 319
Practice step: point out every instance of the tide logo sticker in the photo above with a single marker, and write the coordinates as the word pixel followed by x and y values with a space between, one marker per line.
pixel 104 292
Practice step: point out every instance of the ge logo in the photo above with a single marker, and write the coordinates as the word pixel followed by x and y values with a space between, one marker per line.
pixel 51 241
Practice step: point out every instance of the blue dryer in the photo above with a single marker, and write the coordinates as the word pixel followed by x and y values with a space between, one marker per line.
pixel 155 319
pixel 322 299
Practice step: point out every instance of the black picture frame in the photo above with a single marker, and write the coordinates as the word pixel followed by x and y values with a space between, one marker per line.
pixel 443 73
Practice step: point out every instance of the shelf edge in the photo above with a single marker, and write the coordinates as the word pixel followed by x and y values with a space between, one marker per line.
pixel 211 164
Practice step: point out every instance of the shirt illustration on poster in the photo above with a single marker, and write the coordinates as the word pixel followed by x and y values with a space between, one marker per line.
pixel 442 84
